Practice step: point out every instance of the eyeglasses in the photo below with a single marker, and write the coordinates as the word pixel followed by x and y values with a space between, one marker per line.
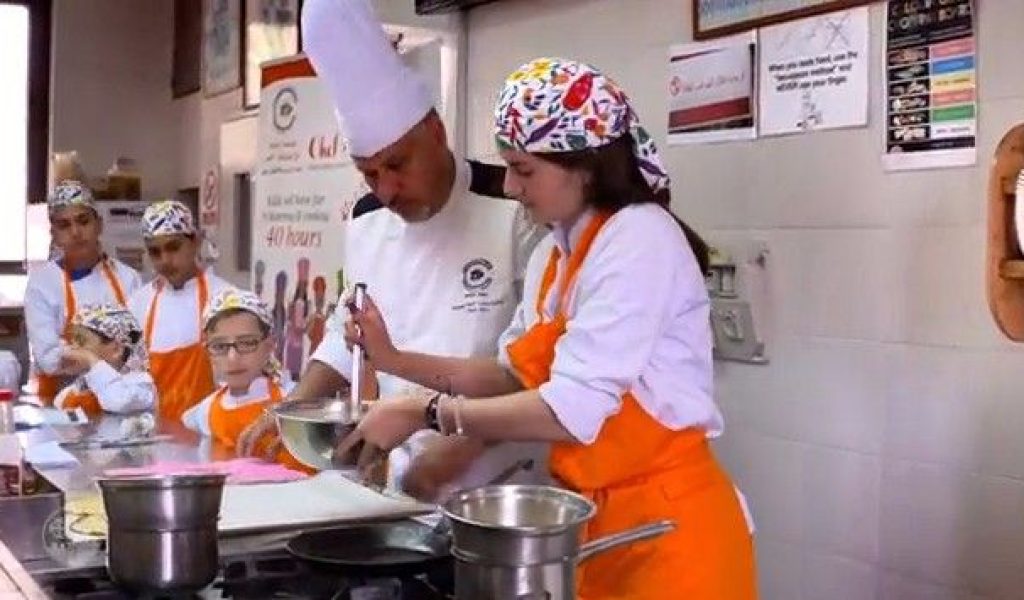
pixel 242 345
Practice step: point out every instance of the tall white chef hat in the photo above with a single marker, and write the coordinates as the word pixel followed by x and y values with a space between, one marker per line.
pixel 378 98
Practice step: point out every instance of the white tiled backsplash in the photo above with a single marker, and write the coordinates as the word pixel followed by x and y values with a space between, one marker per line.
pixel 882 450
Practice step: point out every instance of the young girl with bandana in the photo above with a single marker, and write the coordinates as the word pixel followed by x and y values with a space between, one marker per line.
pixel 237 330
pixel 170 308
pixel 106 346
pixel 81 274
pixel 609 355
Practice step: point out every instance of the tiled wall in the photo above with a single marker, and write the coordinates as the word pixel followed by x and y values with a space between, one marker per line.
pixel 883 448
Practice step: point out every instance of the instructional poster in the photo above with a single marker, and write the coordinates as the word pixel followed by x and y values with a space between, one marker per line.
pixel 305 187
pixel 931 76
pixel 814 74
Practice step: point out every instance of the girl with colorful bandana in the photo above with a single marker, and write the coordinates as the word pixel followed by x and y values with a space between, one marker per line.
pixel 609 355
pixel 107 348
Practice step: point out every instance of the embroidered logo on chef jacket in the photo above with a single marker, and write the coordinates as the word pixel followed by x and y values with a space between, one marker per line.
pixel 477 278
pixel 477 275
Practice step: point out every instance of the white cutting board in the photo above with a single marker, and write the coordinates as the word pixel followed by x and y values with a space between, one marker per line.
pixel 326 498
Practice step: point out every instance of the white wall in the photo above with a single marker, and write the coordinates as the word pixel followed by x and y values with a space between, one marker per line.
pixel 883 448
pixel 111 87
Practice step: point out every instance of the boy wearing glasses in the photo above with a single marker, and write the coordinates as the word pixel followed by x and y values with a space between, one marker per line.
pixel 237 328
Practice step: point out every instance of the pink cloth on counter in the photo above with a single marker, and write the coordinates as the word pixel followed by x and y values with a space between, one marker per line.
pixel 239 470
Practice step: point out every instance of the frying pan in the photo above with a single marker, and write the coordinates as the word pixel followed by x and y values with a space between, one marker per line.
pixel 397 549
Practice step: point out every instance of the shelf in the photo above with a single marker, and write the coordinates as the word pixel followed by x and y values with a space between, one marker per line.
pixel 1012 269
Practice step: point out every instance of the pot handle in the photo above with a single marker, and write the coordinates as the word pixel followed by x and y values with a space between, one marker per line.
pixel 635 534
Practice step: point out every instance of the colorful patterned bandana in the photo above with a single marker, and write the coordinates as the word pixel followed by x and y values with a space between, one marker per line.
pixel 69 193
pixel 557 105
pixel 116 323
pixel 233 299
pixel 167 217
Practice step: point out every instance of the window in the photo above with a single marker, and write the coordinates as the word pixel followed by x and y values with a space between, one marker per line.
pixel 24 118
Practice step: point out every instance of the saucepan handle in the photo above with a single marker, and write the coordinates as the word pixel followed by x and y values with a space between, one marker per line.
pixel 636 534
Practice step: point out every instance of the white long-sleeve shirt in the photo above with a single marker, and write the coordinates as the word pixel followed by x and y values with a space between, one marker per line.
pixel 448 286
pixel 638 321
pixel 116 392
pixel 177 322
pixel 197 418
pixel 45 313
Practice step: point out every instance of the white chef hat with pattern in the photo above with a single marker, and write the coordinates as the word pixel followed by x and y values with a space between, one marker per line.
pixel 167 217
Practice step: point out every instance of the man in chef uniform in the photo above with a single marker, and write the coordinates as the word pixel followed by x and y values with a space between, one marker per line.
pixel 170 308
pixel 442 262
pixel 81 274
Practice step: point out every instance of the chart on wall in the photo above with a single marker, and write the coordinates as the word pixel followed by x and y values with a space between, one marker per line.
pixel 931 77
pixel 304 188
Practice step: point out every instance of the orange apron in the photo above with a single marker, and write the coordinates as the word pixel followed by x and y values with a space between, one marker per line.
pixel 227 424
pixel 49 385
pixel 183 376
pixel 638 471
pixel 87 401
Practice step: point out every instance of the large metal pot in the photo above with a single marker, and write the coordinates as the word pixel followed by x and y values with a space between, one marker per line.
pixel 162 531
pixel 519 542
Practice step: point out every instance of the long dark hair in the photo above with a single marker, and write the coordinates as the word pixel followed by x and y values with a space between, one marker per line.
pixel 616 182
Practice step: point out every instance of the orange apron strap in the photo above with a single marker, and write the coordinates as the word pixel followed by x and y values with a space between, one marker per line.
pixel 572 266
pixel 115 285
pixel 204 296
pixel 147 334
pixel 550 271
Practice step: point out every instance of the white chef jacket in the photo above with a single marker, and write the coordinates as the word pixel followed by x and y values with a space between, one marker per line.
pixel 638 321
pixel 178 319
pixel 45 313
pixel 116 392
pixel 197 418
pixel 445 286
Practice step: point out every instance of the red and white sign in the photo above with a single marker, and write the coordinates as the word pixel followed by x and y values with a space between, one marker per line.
pixel 209 200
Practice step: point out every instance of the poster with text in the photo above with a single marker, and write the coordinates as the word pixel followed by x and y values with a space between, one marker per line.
pixel 931 80
pixel 814 74
pixel 711 90
pixel 304 188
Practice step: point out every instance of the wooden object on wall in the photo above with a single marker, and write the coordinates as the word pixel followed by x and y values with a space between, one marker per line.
pixel 1005 261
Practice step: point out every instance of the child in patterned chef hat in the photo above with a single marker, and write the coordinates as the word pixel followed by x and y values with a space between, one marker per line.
pixel 106 344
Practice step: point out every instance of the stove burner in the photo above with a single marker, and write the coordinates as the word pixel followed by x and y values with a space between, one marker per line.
pixel 275 577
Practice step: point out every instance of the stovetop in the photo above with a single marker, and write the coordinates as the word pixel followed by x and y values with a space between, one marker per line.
pixel 277 576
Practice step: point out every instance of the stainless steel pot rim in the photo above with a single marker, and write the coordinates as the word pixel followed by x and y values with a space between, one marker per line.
pixel 587 508
pixel 162 481
pixel 315 411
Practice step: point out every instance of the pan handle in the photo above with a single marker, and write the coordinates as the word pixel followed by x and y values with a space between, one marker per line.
pixel 635 534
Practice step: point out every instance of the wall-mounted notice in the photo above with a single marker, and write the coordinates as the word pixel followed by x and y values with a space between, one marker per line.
pixel 814 74
pixel 931 101
pixel 711 90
